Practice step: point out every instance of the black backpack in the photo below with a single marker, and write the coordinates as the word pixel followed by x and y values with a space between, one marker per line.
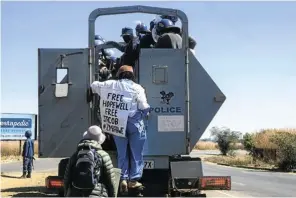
pixel 86 172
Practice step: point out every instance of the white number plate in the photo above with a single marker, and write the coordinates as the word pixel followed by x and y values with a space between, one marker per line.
pixel 148 164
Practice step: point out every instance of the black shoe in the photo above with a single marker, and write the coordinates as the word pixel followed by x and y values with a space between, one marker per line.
pixel 29 175
pixel 23 176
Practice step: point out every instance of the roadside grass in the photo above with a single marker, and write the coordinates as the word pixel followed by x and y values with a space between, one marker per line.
pixel 10 150
pixel 262 139
pixel 207 145
pixel 239 161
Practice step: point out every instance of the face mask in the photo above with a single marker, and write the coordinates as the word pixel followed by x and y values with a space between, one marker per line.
pixel 126 38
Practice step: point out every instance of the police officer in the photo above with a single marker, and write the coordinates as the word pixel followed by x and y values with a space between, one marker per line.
pixel 145 36
pixel 127 34
pixel 192 44
pixel 28 155
pixel 129 148
pixel 132 48
pixel 174 19
pixel 167 35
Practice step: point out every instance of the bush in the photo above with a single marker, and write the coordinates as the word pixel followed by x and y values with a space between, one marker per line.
pixel 248 141
pixel 11 148
pixel 225 138
pixel 286 143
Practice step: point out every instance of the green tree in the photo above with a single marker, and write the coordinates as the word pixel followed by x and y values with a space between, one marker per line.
pixel 248 142
pixel 224 137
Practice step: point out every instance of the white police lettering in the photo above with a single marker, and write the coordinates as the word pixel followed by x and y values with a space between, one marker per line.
pixel 115 106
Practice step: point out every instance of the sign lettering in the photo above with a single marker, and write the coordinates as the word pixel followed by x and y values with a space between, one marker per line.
pixel 166 109
pixel 14 126
pixel 148 164
pixel 115 106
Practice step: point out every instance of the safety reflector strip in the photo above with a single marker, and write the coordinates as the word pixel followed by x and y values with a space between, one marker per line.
pixel 215 183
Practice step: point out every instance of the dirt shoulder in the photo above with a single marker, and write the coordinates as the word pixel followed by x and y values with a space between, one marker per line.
pixel 13 186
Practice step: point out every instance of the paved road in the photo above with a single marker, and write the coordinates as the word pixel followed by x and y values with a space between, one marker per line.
pixel 245 183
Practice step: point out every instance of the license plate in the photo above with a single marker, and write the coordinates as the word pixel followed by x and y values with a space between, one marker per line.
pixel 148 164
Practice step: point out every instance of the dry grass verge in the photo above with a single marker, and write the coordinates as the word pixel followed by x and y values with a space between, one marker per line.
pixel 13 186
pixel 207 145
pixel 240 161
pixel 262 139
pixel 10 151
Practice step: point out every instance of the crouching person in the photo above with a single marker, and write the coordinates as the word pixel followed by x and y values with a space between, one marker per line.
pixel 89 172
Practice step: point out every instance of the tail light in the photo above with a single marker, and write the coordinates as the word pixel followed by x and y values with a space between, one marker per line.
pixel 54 182
pixel 215 183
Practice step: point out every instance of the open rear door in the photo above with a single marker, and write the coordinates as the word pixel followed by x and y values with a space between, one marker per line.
pixel 206 99
pixel 63 110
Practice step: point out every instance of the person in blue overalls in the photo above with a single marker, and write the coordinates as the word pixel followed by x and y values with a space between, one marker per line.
pixel 130 158
pixel 28 155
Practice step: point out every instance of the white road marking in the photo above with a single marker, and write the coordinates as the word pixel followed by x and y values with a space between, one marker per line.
pixel 235 195
pixel 224 193
pixel 241 184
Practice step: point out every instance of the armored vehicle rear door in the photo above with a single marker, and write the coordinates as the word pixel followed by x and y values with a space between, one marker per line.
pixel 63 110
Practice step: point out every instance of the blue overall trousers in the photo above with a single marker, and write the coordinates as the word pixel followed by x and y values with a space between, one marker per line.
pixel 130 149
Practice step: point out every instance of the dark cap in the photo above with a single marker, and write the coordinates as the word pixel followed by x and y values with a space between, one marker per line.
pixel 127 31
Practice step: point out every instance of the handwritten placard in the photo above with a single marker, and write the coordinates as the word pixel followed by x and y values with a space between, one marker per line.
pixel 115 107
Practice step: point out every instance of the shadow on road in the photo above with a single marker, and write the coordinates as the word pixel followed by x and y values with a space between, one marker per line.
pixel 30 191
pixel 9 176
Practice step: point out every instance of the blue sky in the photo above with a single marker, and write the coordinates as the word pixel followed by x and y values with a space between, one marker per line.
pixel 249 49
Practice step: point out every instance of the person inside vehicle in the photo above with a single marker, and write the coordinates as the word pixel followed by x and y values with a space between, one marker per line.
pixel 129 148
pixel 127 34
pixel 175 19
pixel 145 36
pixel 192 44
pixel 89 172
pixel 166 35
pixel 132 48
pixel 28 155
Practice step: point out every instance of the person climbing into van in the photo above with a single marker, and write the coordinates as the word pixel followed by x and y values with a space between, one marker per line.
pixel 167 35
pixel 130 147
pixel 28 155
pixel 89 172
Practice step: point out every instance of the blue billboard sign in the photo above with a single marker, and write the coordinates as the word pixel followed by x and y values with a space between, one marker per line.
pixel 14 126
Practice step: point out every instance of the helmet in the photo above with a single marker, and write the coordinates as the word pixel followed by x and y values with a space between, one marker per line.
pixel 141 28
pixel 165 24
pixel 28 134
pixel 174 19
pixel 99 40
pixel 127 31
pixel 109 52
